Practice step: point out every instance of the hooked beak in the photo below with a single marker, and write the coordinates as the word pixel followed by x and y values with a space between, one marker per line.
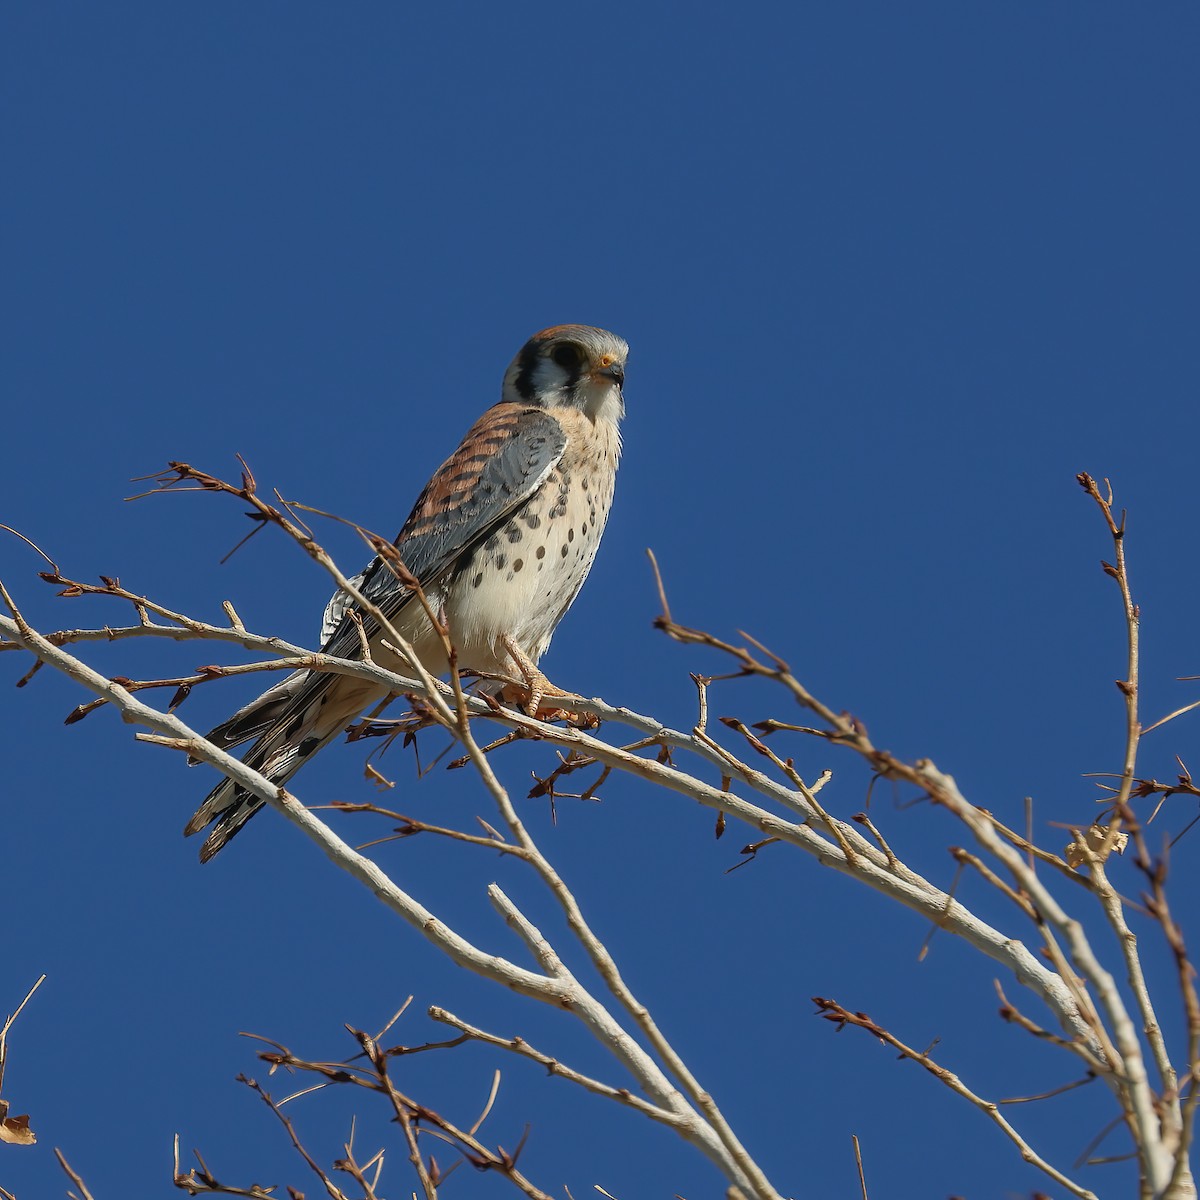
pixel 613 371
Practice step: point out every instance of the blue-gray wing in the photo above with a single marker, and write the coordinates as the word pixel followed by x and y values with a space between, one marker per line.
pixel 504 458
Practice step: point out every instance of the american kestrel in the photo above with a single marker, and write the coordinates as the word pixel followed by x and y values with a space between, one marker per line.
pixel 501 540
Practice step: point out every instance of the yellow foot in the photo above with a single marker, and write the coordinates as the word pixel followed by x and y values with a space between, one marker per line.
pixel 535 688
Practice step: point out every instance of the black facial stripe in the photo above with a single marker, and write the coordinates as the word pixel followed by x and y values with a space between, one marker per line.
pixel 526 366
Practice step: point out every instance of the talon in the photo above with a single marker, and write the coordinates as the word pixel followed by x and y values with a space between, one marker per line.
pixel 575 720
pixel 535 688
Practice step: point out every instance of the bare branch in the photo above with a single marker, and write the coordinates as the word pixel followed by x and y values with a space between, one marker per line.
pixel 832 1011
pixel 73 1176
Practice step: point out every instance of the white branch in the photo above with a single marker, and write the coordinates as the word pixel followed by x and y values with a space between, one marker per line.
pixel 562 992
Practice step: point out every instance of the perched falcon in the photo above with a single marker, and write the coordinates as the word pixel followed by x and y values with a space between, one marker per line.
pixel 501 540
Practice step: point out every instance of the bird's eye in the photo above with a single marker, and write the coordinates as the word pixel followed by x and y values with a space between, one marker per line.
pixel 568 356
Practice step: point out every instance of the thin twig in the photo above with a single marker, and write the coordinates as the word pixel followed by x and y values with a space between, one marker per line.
pixel 73 1175
pixel 832 1011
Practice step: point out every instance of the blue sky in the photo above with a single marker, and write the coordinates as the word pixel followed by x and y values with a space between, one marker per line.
pixel 891 275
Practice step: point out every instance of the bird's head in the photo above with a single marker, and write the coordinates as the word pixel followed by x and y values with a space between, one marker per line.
pixel 573 365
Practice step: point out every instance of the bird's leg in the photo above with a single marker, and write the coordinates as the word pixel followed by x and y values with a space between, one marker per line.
pixel 536 688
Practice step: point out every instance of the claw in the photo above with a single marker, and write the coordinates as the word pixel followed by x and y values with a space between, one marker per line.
pixel 529 694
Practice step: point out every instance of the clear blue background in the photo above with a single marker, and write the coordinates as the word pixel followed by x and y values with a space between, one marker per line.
pixel 892 274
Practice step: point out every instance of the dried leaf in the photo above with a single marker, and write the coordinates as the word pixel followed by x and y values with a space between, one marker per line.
pixel 1091 844
pixel 16 1131
pixel 380 781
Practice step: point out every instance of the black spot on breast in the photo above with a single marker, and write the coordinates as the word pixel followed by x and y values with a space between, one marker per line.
pixel 564 550
pixel 532 520
pixel 477 580
pixel 513 534
pixel 518 563
pixel 541 552
pixel 570 535
pixel 500 560
pixel 583 483
pixel 308 746
pixel 559 507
